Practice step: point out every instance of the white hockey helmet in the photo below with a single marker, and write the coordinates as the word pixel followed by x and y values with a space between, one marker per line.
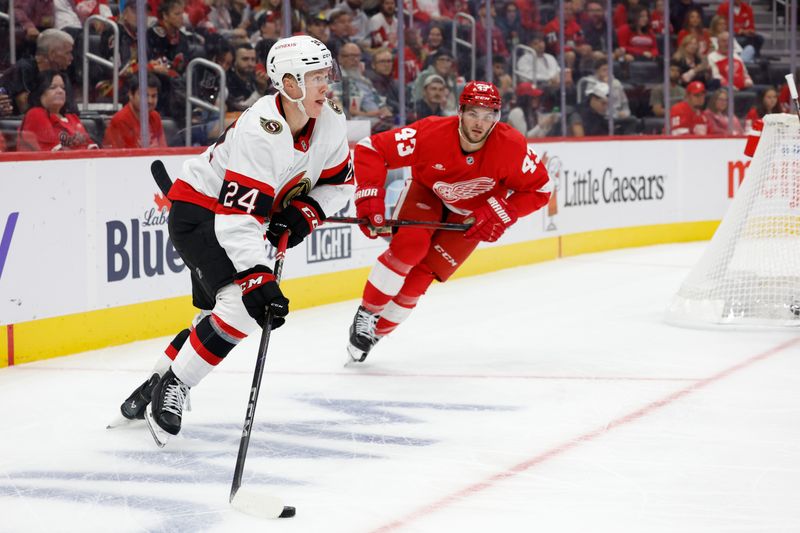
pixel 296 56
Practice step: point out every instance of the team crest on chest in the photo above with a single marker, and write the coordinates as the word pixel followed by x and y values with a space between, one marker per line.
pixel 297 186
pixel 463 190
pixel 271 126
pixel 335 106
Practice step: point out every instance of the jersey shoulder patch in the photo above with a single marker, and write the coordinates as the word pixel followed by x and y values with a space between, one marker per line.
pixel 271 126
pixel 335 106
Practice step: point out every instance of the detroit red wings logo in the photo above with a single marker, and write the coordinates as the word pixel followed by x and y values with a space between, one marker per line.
pixel 463 190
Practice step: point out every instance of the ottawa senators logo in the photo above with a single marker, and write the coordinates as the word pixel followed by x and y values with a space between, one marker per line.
pixel 335 106
pixel 271 126
pixel 297 186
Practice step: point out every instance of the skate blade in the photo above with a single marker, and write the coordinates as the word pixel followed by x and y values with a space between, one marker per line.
pixel 121 422
pixel 354 355
pixel 159 435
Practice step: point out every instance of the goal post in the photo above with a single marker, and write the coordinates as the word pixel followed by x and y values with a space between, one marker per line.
pixel 749 274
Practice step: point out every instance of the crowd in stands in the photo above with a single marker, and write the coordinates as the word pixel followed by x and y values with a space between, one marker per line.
pixel 40 91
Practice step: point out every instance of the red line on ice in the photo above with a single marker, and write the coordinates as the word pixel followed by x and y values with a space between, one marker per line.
pixel 524 466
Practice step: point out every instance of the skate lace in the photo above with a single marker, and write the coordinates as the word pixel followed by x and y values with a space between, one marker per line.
pixel 365 324
pixel 174 397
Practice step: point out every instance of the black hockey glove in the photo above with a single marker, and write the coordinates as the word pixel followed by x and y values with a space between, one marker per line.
pixel 301 217
pixel 260 290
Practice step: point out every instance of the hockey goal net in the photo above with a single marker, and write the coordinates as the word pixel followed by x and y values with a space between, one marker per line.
pixel 749 275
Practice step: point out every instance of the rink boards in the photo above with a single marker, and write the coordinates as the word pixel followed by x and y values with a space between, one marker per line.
pixel 86 261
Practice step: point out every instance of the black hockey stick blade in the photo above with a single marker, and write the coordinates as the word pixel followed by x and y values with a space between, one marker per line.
pixel 396 223
pixel 251 500
pixel 160 174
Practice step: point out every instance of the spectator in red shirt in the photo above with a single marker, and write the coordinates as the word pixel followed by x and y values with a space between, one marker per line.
pixel 573 36
pixel 657 19
pixel 716 114
pixel 686 118
pixel 636 38
pixel 744 23
pixel 718 61
pixel 693 25
pixel 47 126
pixel 124 130
pixel 622 12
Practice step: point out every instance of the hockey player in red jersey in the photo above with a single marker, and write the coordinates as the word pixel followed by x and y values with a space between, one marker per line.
pixel 465 169
pixel 286 160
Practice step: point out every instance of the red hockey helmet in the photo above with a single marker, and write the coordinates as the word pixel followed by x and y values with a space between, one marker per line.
pixel 482 94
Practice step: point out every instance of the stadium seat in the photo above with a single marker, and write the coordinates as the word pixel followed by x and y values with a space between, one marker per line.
pixel 743 101
pixel 644 72
pixel 757 72
pixel 171 132
pixel 652 125
pixel 777 73
pixel 8 129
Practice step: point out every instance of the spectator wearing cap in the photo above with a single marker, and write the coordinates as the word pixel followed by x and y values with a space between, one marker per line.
pixel 676 91
pixel 433 96
pixel 526 117
pixel 443 65
pixel 358 96
pixel 268 27
pixel 718 61
pixel 358 20
pixel 317 27
pixel 621 107
pixel 53 52
pixel 686 117
pixel 124 130
pixel 590 119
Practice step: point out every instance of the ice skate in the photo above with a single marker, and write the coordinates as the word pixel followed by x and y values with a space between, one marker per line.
pixel 165 411
pixel 132 409
pixel 362 335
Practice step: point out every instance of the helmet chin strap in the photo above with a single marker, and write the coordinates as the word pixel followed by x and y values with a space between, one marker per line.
pixel 297 101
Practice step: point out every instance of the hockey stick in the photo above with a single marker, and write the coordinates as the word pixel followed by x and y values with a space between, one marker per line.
pixel 793 93
pixel 160 174
pixel 164 183
pixel 430 224
pixel 249 500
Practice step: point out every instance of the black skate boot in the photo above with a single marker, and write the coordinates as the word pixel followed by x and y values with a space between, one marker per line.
pixel 133 407
pixel 164 413
pixel 362 335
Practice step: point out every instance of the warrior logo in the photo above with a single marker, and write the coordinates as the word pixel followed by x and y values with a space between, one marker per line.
pixel 271 126
pixel 463 190
pixel 297 186
pixel 334 106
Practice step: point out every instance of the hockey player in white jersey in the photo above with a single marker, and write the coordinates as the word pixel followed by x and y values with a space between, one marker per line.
pixel 285 161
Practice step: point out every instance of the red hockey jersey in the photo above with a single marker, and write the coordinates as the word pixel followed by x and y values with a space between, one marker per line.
pixel 504 166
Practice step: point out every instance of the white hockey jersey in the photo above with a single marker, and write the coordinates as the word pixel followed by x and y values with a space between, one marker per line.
pixel 255 169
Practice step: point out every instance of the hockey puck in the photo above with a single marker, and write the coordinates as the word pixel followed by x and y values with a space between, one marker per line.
pixel 288 512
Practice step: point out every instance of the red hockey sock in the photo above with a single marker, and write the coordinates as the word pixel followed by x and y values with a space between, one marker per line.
pixel 385 280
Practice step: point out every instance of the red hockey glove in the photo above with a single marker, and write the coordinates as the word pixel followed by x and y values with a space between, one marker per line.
pixel 491 220
pixel 370 205
pixel 259 290
pixel 301 217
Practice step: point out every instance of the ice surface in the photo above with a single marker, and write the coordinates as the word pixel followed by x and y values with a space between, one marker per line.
pixel 549 398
